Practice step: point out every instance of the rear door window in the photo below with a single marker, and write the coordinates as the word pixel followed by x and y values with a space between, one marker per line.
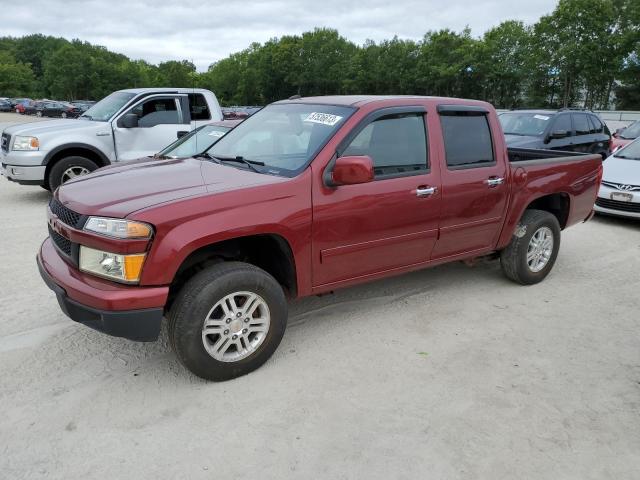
pixel 198 107
pixel 467 141
pixel 581 123
pixel 597 124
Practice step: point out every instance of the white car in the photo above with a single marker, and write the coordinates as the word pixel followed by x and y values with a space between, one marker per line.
pixel 619 192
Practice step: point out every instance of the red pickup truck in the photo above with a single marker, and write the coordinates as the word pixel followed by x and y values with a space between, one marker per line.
pixel 306 196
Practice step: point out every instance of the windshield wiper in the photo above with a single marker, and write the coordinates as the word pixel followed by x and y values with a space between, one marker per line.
pixel 249 163
pixel 86 116
pixel 626 157
pixel 207 156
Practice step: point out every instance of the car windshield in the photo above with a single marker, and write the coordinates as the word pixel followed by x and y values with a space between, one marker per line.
pixel 630 152
pixel 195 142
pixel 631 132
pixel 524 123
pixel 283 137
pixel 108 106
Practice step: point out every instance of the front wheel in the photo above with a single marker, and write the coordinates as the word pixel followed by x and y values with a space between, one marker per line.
pixel 530 256
pixel 68 168
pixel 227 320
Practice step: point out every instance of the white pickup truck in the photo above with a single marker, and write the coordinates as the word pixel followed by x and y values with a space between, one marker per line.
pixel 125 125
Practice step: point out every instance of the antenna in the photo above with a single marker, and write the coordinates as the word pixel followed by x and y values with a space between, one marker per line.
pixel 195 121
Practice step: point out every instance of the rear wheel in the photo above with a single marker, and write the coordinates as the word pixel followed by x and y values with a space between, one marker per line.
pixel 227 320
pixel 63 114
pixel 530 256
pixel 38 113
pixel 68 168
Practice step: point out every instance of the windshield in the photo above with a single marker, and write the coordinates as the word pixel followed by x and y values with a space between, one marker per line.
pixel 631 132
pixel 285 137
pixel 195 142
pixel 108 106
pixel 524 123
pixel 630 152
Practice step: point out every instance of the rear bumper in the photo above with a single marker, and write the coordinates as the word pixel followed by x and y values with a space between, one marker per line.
pixel 123 311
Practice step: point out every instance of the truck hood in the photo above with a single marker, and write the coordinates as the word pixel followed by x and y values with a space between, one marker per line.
pixel 523 141
pixel 622 171
pixel 119 190
pixel 53 126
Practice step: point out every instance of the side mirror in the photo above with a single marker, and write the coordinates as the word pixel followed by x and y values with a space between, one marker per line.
pixel 128 120
pixel 351 170
pixel 559 134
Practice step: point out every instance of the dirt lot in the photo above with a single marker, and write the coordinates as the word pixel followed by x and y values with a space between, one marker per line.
pixel 449 373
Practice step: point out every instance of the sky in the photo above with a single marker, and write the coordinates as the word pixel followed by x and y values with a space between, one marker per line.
pixel 205 31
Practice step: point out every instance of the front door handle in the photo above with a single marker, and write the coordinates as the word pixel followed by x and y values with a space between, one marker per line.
pixel 494 181
pixel 424 191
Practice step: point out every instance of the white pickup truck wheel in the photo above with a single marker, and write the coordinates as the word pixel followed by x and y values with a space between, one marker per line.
pixel 67 168
pixel 227 320
pixel 530 256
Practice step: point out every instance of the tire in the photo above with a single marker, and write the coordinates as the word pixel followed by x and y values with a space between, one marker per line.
pixel 38 114
pixel 63 114
pixel 513 259
pixel 59 172
pixel 199 300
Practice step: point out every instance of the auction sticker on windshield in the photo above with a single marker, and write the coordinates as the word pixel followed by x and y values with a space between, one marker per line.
pixel 216 133
pixel 323 118
pixel 541 117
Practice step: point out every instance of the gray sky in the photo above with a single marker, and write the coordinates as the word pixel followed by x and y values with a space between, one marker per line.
pixel 206 31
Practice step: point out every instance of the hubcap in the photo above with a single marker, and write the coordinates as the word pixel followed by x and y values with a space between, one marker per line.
pixel 236 326
pixel 540 249
pixel 73 172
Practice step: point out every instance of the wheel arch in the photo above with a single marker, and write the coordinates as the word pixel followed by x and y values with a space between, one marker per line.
pixel 74 149
pixel 269 251
pixel 558 204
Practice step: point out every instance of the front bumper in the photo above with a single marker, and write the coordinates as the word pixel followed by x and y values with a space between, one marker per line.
pixel 123 311
pixel 605 204
pixel 23 167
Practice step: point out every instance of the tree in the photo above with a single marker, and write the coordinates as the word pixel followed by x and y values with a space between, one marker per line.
pixel 16 78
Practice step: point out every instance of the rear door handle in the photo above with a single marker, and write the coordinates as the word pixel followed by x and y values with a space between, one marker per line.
pixel 494 181
pixel 424 191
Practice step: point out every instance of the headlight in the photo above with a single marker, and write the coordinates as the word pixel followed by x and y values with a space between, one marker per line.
pixel 26 143
pixel 124 268
pixel 113 227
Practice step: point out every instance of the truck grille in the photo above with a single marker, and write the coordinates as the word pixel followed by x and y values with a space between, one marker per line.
pixel 616 205
pixel 63 244
pixel 4 141
pixel 66 215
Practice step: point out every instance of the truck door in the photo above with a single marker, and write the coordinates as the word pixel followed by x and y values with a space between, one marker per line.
pixel 474 183
pixel 390 223
pixel 150 125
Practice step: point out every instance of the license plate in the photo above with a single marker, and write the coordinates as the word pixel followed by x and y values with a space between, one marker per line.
pixel 621 196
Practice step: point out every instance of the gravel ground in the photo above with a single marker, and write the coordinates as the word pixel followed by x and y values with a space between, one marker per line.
pixel 448 373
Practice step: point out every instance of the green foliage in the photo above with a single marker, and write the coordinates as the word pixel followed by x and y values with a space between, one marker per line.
pixel 585 53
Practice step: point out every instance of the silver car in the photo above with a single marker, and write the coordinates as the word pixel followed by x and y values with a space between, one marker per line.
pixel 619 192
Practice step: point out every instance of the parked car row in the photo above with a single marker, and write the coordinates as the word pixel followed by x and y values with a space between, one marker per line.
pixel 238 112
